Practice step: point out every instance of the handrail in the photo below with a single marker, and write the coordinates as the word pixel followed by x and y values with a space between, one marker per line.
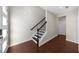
pixel 38 23
pixel 41 26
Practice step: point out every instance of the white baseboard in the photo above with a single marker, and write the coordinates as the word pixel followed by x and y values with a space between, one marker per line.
pixel 48 40
pixel 71 41
pixel 19 42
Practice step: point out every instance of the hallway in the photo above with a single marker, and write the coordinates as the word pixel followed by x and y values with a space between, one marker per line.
pixel 56 45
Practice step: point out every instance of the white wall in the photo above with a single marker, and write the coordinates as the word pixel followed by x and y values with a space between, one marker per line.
pixel 22 19
pixel 78 28
pixel 61 22
pixel 71 26
pixel 51 28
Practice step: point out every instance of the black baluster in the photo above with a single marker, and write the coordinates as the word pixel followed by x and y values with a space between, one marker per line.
pixel 37 41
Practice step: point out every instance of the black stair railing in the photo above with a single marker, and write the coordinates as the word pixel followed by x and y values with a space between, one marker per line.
pixel 39 31
pixel 42 26
pixel 38 23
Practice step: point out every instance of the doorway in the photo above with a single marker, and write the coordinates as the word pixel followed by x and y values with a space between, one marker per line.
pixel 62 25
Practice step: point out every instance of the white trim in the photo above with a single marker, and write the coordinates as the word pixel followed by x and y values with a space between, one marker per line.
pixel 19 42
pixel 48 40
pixel 71 41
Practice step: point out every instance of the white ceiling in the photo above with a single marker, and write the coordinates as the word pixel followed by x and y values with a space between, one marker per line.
pixel 57 10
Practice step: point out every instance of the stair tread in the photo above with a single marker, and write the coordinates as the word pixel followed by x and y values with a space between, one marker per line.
pixel 39 33
pixel 42 31
pixel 35 38
pixel 38 36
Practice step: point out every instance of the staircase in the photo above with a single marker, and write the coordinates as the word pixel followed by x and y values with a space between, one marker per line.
pixel 41 29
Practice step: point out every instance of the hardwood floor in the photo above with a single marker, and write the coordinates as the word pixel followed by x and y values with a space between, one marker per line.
pixel 56 45
pixel 26 47
pixel 59 45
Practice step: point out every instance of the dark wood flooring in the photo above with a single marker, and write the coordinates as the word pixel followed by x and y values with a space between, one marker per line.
pixel 56 45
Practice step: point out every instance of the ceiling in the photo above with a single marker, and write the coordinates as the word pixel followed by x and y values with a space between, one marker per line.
pixel 57 10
